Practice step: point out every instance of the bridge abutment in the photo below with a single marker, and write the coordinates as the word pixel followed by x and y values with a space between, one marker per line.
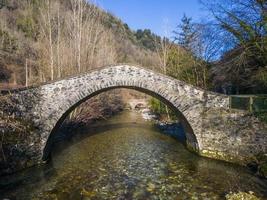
pixel 212 129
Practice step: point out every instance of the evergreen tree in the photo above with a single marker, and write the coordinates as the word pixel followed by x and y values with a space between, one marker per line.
pixel 186 34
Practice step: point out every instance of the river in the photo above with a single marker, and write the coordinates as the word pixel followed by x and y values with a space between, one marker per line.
pixel 127 157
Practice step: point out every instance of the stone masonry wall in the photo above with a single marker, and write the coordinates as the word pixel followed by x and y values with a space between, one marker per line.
pixel 212 129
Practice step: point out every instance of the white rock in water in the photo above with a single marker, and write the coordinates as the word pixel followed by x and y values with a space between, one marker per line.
pixel 147 114
pixel 241 196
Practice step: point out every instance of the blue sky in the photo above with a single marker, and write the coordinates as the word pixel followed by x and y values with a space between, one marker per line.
pixel 161 16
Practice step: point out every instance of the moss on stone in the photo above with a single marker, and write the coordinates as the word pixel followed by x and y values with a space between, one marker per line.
pixel 221 156
pixel 261 160
pixel 191 148
pixel 263 169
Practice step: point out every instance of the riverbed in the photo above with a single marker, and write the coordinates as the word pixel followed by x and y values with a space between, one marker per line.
pixel 128 157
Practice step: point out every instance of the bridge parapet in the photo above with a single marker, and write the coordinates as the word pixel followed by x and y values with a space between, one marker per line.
pixel 212 128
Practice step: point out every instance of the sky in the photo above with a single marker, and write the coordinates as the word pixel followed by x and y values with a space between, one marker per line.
pixel 161 16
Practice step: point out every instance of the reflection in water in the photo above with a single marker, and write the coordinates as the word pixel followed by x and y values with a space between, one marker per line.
pixel 128 158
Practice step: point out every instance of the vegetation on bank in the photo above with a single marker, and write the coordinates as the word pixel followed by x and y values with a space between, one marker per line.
pixel 262 116
pixel 226 54
pixel 98 107
pixel 162 110
pixel 42 40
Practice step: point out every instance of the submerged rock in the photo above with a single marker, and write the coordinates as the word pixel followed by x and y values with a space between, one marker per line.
pixel 241 196
pixel 151 187
pixel 89 194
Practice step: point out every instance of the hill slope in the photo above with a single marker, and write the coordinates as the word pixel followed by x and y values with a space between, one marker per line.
pixel 41 40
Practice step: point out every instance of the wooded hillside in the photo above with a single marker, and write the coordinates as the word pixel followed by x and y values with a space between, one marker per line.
pixel 42 40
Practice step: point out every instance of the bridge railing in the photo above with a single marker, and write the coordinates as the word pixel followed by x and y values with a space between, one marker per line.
pixel 251 103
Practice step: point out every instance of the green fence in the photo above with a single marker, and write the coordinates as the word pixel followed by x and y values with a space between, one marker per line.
pixel 252 103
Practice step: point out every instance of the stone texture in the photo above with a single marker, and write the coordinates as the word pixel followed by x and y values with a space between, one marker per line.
pixel 212 129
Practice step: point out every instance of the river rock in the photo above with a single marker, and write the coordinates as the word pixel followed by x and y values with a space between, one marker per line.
pixel 241 196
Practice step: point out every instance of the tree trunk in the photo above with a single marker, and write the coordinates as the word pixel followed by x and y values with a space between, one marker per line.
pixel 50 41
pixel 26 72
pixel 58 45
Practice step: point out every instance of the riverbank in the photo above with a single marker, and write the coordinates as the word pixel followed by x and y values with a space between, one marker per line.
pixel 170 127
pixel 173 128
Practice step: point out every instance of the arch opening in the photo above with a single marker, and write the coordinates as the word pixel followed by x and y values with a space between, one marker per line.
pixel 191 140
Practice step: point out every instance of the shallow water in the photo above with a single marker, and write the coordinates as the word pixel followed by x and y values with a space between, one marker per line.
pixel 126 157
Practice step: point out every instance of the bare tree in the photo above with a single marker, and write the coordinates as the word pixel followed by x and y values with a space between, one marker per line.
pixel 46 28
pixel 58 42
pixel 242 27
pixel 78 7
pixel 26 73
pixel 163 47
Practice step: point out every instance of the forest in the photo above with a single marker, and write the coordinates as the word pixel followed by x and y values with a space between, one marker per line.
pixel 44 40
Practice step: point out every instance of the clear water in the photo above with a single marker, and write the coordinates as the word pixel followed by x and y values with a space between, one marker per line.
pixel 126 157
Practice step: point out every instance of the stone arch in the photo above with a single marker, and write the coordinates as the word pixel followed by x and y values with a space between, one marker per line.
pixel 191 140
pixel 206 114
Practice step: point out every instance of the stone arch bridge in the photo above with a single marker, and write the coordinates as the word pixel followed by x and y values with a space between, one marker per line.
pixel 212 129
